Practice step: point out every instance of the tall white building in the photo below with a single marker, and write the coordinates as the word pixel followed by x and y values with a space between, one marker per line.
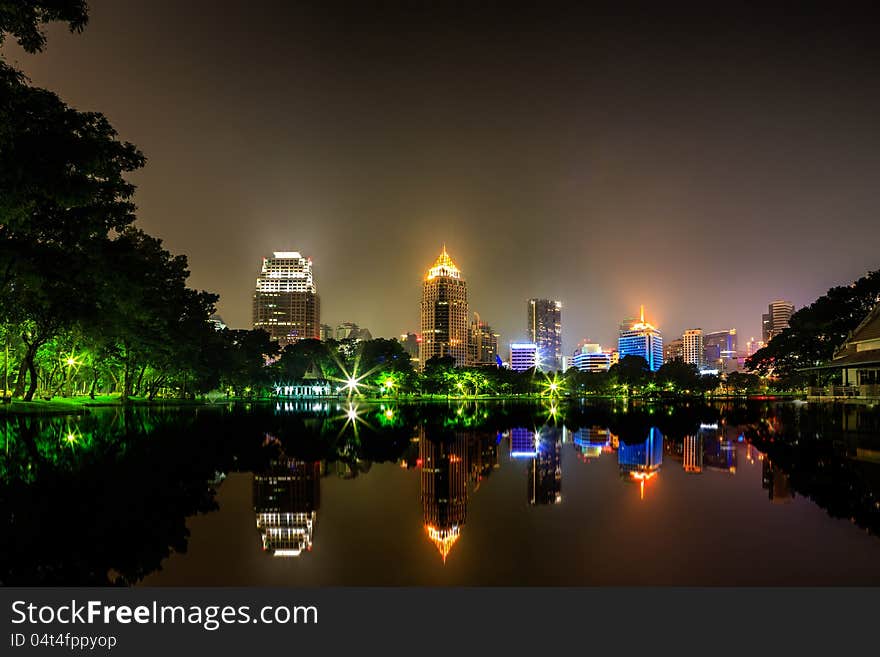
pixel 286 303
pixel 591 358
pixel 692 347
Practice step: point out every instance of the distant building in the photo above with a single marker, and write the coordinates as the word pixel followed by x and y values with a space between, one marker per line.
pixel 410 344
pixel 483 343
pixel 312 384
pixel 642 339
pixel 673 350
pixel 776 320
pixel 640 461
pixel 692 347
pixel 217 322
pixel 523 443
pixel 590 357
pixel 523 356
pixel 444 313
pixel 351 331
pixel 752 346
pixel 544 328
pixel 692 459
pixel 720 350
pixel 326 332
pixel 286 303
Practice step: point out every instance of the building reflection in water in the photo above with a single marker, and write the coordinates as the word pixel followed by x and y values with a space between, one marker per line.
pixel 523 443
pixel 776 483
pixel 591 442
pixel 286 500
pixel 444 477
pixel 640 461
pixel 718 452
pixel 545 470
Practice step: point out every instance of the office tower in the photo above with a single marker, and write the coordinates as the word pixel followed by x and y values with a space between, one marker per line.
pixel 444 477
pixel 753 346
pixel 326 332
pixel 523 356
pixel 640 338
pixel 590 357
pixel 483 343
pixel 776 320
pixel 692 347
pixel 286 304
pixel 286 497
pixel 719 349
pixel 544 328
pixel 351 331
pixel 410 343
pixel 444 313
pixel 673 350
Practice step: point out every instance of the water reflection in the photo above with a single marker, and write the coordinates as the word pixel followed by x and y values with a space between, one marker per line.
pixel 121 484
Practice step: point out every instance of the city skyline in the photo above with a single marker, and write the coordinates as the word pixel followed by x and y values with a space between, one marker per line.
pixel 366 159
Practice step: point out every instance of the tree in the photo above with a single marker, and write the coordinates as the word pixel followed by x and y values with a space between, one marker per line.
pixel 815 331
pixel 679 376
pixel 23 18
pixel 632 371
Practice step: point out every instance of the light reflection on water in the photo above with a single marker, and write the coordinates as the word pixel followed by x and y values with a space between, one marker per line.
pixel 351 493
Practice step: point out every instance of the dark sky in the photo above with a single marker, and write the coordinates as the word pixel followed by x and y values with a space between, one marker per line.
pixel 699 164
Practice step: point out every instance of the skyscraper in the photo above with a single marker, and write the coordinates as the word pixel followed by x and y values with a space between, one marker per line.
pixel 672 350
pixel 286 303
pixel 444 313
pixel 544 328
pixel 776 320
pixel 483 343
pixel 692 346
pixel 444 476
pixel 641 339
pixel 719 349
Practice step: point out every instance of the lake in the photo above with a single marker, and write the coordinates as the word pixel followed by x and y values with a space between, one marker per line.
pixel 334 492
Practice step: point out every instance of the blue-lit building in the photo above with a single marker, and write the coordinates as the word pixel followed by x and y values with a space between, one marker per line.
pixel 641 339
pixel 545 470
pixel 523 356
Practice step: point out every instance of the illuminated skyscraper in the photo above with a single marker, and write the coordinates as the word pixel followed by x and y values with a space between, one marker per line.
pixel 776 320
pixel 672 350
pixel 544 328
pixel 444 476
pixel 692 347
pixel 444 313
pixel 483 343
pixel 286 304
pixel 641 339
pixel 719 349
pixel 286 500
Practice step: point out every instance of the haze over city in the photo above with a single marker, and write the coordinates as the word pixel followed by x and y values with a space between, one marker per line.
pixel 603 161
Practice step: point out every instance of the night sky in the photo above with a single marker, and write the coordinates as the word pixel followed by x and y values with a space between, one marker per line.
pixel 699 164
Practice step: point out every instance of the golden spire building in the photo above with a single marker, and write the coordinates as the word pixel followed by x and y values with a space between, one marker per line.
pixel 444 313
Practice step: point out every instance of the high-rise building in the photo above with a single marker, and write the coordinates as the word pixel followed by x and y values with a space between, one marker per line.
pixel 776 320
pixel 640 338
pixel 483 343
pixel 719 349
pixel 692 460
pixel 692 346
pixel 590 357
pixel 673 350
pixel 753 346
pixel 523 356
pixel 217 322
pixel 410 343
pixel 444 313
pixel 326 332
pixel 544 328
pixel 286 303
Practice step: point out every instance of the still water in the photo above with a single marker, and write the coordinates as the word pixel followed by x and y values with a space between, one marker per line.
pixel 327 493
